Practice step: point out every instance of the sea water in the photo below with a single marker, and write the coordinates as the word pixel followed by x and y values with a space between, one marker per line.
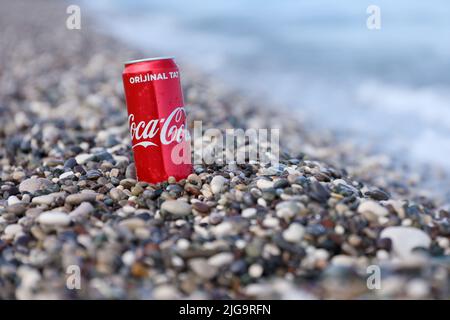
pixel 387 87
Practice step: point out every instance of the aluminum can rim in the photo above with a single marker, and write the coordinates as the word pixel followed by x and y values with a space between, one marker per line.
pixel 148 59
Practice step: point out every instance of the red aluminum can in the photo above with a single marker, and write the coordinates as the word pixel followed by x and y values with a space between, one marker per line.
pixel 157 119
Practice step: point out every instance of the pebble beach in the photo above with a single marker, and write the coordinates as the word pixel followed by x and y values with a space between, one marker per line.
pixel 315 226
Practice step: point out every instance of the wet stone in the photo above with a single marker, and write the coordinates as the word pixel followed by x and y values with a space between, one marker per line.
pixel 93 174
pixel 66 175
pixel 103 156
pixel 70 163
pixel 281 183
pixel 318 192
pixel 377 194
pixel 175 190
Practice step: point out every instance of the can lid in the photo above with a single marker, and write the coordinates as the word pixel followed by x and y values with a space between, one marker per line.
pixel 148 59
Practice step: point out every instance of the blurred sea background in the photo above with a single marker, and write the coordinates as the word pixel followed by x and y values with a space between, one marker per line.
pixel 387 89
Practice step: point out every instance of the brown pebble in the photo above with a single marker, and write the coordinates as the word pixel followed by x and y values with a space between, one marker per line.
pixel 201 207
pixel 138 270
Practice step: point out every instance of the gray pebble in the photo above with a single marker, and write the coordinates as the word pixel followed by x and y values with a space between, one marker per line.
pixel 32 185
pixel 177 208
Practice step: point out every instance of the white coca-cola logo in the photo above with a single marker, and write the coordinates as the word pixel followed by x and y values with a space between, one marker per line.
pixel 173 129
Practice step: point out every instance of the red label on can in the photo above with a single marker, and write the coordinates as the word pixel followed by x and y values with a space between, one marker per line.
pixel 157 120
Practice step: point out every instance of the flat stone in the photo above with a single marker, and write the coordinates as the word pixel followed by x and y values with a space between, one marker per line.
pixel 176 208
pixel 32 185
pixel 53 218
pixel 93 174
pixel 377 194
pixel 132 223
pixel 264 184
pixel 77 198
pixel 48 199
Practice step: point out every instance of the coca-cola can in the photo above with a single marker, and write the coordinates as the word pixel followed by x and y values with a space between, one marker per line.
pixel 157 119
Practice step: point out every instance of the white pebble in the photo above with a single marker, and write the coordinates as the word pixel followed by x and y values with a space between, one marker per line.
pixel 405 239
pixel 248 213
pixel 255 270
pixel 321 254
pixel 221 259
pixel 13 229
pixel 83 158
pixel 339 229
pixel 264 184
pixel 13 200
pixel 128 258
pixel 370 206
pixel 262 202
pixel 54 219
pixel 223 229
pixel 294 233
pixel 270 222
pixel 65 175
pixel 166 292
pixel 382 255
pixel 217 184
pixel 183 244
pixel 417 289
pixel 443 242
